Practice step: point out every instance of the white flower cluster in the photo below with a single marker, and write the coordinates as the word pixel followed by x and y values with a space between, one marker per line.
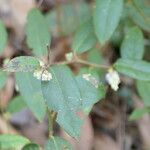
pixel 91 79
pixel 43 75
pixel 69 56
pixel 113 79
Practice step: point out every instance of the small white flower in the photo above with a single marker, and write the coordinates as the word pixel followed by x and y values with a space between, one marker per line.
pixel 43 75
pixel 69 56
pixel 113 79
pixel 91 79
pixel 41 64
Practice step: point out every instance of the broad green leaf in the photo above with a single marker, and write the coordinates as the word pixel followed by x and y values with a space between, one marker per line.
pixel 140 13
pixel 72 15
pixel 31 146
pixel 57 143
pixel 139 70
pixel 3 36
pixel 30 89
pixel 133 44
pixel 22 64
pixel 138 113
pixel 62 95
pixel 106 18
pixel 16 104
pixel 92 71
pixel 144 91
pixel 84 38
pixel 91 91
pixel 37 32
pixel 3 78
pixel 95 56
pixel 117 36
pixel 10 141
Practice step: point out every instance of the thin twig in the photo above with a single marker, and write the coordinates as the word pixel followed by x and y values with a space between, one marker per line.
pixel 92 64
pixel 80 61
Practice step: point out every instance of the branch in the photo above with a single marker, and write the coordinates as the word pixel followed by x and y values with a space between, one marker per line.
pixel 80 61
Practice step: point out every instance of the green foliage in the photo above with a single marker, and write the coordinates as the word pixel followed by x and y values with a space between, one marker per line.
pixel 139 70
pixel 144 91
pixel 62 95
pixel 30 89
pixel 95 56
pixel 89 93
pixel 106 18
pixel 139 12
pixel 133 44
pixel 65 93
pixel 3 36
pixel 22 64
pixel 37 32
pixel 12 142
pixel 57 143
pixel 31 146
pixel 16 104
pixel 138 113
pixel 84 38
pixel 72 15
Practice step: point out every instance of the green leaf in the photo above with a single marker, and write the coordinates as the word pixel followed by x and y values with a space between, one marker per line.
pixel 62 95
pixel 95 56
pixel 10 141
pixel 37 31
pixel 117 36
pixel 30 89
pixel 16 104
pixel 133 44
pixel 89 93
pixel 144 90
pixel 106 18
pixel 72 15
pixel 140 13
pixel 57 143
pixel 3 36
pixel 22 64
pixel 138 113
pixel 3 79
pixel 31 146
pixel 135 69
pixel 84 38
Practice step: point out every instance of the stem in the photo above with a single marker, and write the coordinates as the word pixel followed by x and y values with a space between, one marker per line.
pixel 51 120
pixel 92 64
pixel 80 61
